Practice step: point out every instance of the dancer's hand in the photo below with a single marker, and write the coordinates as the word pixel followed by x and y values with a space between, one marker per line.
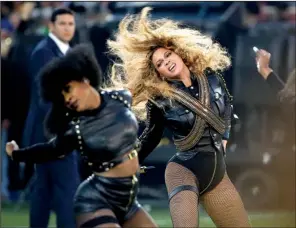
pixel 10 147
pixel 224 142
pixel 262 61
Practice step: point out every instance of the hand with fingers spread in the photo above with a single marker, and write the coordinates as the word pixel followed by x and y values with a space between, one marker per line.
pixel 263 60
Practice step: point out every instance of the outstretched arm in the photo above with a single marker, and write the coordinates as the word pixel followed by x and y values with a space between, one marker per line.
pixel 42 152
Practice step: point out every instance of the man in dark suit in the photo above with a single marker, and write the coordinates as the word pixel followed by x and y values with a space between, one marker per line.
pixel 56 181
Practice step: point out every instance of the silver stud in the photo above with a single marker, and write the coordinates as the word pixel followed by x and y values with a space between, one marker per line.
pixel 125 101
pixel 67 113
pixel 116 93
pixel 111 164
pixel 121 98
pixel 77 126
pixel 81 148
pixel 187 111
pixel 106 169
pixel 80 142
pixel 196 94
pixel 191 87
pixel 102 92
pixel 113 96
pixel 79 137
pixel 128 105
pixel 90 163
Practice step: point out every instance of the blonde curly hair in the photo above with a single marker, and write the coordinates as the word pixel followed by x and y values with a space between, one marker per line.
pixel 133 46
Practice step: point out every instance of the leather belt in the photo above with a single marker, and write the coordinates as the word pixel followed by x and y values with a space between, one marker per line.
pixel 105 166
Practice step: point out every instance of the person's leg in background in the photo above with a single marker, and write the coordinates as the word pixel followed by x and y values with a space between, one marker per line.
pixel 28 174
pixel 4 166
pixel 14 185
pixel 65 178
pixel 41 197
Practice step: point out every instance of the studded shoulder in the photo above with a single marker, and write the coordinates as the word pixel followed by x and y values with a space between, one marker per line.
pixel 122 95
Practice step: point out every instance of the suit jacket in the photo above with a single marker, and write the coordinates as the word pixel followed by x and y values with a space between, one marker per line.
pixel 43 53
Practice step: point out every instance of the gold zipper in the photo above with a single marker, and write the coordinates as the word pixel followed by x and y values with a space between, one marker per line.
pixel 134 182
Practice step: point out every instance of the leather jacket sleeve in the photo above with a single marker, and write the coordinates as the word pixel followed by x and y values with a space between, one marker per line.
pixel 56 148
pixel 153 132
pixel 228 114
pixel 275 82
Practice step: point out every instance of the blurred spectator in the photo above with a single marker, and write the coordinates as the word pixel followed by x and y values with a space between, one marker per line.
pixel 6 25
pixel 98 35
pixel 15 89
pixel 278 11
pixel 5 118
pixel 5 9
pixel 243 18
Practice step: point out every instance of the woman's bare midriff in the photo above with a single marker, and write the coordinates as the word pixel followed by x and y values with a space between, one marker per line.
pixel 125 169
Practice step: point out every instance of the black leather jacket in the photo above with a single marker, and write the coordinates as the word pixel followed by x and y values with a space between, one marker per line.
pixel 180 120
pixel 100 135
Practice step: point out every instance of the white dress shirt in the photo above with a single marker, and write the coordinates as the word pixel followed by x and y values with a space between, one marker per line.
pixel 64 47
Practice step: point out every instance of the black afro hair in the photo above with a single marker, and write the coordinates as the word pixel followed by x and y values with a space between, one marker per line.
pixel 79 63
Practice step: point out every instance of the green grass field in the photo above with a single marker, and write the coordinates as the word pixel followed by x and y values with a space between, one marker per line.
pixel 12 218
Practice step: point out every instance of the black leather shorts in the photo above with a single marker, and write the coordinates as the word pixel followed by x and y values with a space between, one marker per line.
pixel 208 167
pixel 116 194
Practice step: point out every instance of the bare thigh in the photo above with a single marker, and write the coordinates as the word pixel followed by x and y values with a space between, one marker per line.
pixel 140 219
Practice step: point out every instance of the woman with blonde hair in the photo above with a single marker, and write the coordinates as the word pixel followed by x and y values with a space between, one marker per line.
pixel 175 72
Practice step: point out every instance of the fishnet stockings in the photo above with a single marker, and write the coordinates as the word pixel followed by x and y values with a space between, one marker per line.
pixel 224 205
pixel 81 219
pixel 184 205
